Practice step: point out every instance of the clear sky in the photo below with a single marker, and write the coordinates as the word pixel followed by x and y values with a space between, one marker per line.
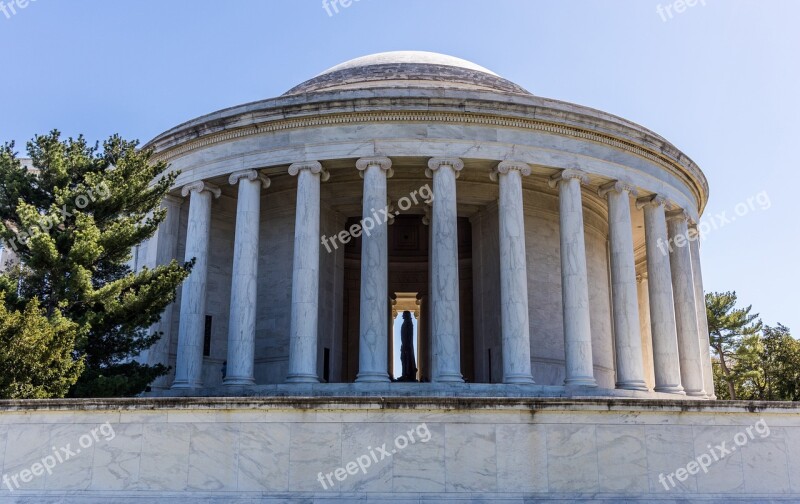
pixel 720 80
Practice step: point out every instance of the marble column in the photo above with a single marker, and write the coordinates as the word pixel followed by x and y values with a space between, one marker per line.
pixel 666 362
pixel 244 286
pixel 685 309
pixel 305 274
pixel 702 318
pixel 625 301
pixel 574 279
pixel 189 364
pixel 513 274
pixel 444 293
pixel 166 248
pixel 373 343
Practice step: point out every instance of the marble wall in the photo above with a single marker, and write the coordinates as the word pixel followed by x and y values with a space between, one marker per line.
pixel 511 450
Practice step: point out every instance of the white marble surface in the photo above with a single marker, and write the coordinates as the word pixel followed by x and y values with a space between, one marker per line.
pixel 685 308
pixel 220 452
pixel 702 318
pixel 244 281
pixel 189 365
pixel 574 280
pixel 666 362
pixel 305 275
pixel 625 302
pixel 445 326
pixel 513 274
pixel 374 316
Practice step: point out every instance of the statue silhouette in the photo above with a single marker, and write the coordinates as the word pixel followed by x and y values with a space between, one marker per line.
pixel 407 358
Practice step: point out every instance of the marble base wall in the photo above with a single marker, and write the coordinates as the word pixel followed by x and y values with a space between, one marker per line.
pixel 476 450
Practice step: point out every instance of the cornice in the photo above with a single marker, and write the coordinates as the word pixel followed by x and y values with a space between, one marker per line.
pixel 695 181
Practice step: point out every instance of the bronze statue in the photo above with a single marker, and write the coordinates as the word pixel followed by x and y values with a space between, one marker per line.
pixel 407 358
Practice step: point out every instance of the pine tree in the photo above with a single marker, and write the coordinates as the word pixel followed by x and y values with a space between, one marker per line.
pixel 36 353
pixel 727 326
pixel 73 220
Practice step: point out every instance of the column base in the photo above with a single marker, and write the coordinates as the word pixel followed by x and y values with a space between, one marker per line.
pixel 185 385
pixel 236 381
pixel 639 385
pixel 519 379
pixel 697 393
pixel 670 389
pixel 449 378
pixel 302 378
pixel 581 381
pixel 372 377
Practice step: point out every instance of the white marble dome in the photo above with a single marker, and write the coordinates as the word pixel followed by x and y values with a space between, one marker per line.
pixel 407 69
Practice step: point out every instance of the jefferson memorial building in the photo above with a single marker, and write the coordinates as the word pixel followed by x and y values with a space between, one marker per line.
pixel 539 244
pixel 416 281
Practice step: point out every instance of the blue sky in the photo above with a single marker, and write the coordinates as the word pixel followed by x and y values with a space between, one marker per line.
pixel 720 80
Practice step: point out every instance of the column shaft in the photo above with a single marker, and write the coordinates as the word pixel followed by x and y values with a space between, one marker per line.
pixel 666 362
pixel 444 291
pixel 702 318
pixel 513 275
pixel 166 244
pixel 244 279
pixel 685 308
pixel 625 302
pixel 189 364
pixel 305 275
pixel 574 281
pixel 373 345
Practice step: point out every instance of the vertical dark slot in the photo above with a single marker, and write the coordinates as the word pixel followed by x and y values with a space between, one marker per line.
pixel 489 354
pixel 326 365
pixel 207 337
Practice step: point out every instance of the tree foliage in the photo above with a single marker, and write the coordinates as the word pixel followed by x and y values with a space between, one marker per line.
pixel 73 220
pixel 36 353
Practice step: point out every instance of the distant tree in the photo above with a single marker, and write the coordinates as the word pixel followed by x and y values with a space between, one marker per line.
pixel 36 353
pixel 73 220
pixel 727 326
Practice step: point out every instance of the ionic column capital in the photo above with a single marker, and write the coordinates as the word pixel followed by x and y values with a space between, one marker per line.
pixel 251 175
pixel 679 214
pixel 384 163
pixel 199 187
pixel 618 186
pixel 173 199
pixel 313 166
pixel 435 163
pixel 654 200
pixel 506 166
pixel 568 174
